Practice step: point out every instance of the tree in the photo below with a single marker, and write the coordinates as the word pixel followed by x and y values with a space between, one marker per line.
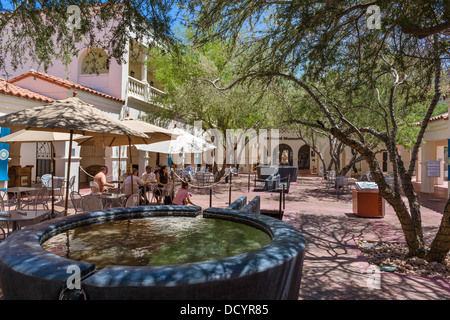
pixel 188 97
pixel 43 31
pixel 390 71
pixel 299 107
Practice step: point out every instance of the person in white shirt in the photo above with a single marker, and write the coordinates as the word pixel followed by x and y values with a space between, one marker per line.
pixel 149 175
pixel 138 183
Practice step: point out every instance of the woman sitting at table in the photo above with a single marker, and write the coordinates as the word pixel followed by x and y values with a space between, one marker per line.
pixel 163 178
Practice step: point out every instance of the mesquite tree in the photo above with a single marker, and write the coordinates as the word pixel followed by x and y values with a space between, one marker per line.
pixel 392 75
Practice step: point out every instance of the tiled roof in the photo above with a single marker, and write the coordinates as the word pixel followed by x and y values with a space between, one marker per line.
pixel 443 116
pixel 63 83
pixel 13 90
pixel 439 117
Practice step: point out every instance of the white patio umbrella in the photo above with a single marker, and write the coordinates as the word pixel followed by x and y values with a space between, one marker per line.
pixel 183 143
pixel 33 136
pixel 72 116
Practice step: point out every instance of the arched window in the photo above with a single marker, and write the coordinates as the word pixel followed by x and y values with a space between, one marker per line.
pixel 94 61
pixel 285 155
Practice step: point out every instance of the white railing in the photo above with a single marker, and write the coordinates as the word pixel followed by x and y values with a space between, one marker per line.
pixel 142 90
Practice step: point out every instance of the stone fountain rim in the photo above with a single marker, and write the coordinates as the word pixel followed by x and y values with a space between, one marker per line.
pixel 23 252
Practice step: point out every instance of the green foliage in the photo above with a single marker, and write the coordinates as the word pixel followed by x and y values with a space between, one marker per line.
pixel 37 31
pixel 189 96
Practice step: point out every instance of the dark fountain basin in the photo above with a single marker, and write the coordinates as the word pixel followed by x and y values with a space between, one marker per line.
pixel 273 271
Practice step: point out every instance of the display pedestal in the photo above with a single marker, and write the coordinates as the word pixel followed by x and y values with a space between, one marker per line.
pixel 368 203
pixel 19 176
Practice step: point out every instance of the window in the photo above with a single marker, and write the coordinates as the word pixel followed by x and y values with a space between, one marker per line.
pixel 95 61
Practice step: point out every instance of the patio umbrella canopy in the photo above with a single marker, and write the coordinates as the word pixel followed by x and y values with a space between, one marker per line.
pixel 157 134
pixel 30 136
pixel 184 143
pixel 72 116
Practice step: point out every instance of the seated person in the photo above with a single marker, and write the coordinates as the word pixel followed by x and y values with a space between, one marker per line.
pixel 190 169
pixel 138 184
pixel 149 175
pixel 100 180
pixel 163 179
pixel 183 196
pixel 125 174
pixel 188 173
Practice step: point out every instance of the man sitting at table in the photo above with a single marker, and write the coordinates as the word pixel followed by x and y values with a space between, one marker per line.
pixel 149 175
pixel 138 183
pixel 100 179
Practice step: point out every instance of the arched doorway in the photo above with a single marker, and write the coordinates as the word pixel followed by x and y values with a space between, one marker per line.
pixel 303 158
pixel 285 155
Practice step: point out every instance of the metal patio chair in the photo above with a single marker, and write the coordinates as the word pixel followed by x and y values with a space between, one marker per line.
pixel 91 203
pixel 76 199
pixel 133 200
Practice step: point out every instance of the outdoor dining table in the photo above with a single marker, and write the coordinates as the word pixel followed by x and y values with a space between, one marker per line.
pixel 18 191
pixel 118 182
pixel 19 216
pixel 113 197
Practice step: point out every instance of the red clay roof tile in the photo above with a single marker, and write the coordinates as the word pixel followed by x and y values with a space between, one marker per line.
pixel 13 90
pixel 63 83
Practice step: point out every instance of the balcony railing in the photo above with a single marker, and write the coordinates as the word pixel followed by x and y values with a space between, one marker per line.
pixel 142 90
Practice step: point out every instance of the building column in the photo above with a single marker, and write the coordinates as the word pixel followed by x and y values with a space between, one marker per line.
pixel 144 160
pixel 112 161
pixel 144 67
pixel 61 158
pixel 440 157
pixel 428 153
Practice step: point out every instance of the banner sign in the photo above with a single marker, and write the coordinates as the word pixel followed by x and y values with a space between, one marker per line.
pixel 4 155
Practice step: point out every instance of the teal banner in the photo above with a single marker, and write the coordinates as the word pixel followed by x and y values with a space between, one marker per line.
pixel 4 155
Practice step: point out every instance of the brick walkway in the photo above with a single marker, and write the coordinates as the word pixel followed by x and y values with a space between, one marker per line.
pixel 334 267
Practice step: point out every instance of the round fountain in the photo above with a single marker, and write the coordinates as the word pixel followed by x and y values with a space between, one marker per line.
pixel 44 261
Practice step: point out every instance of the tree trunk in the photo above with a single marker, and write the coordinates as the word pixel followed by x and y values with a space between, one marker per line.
pixel 440 246
pixel 351 164
pixel 415 245
pixel 393 198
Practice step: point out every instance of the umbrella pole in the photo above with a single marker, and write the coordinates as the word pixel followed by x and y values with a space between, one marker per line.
pixel 118 177
pixel 68 172
pixel 131 165
pixel 53 181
